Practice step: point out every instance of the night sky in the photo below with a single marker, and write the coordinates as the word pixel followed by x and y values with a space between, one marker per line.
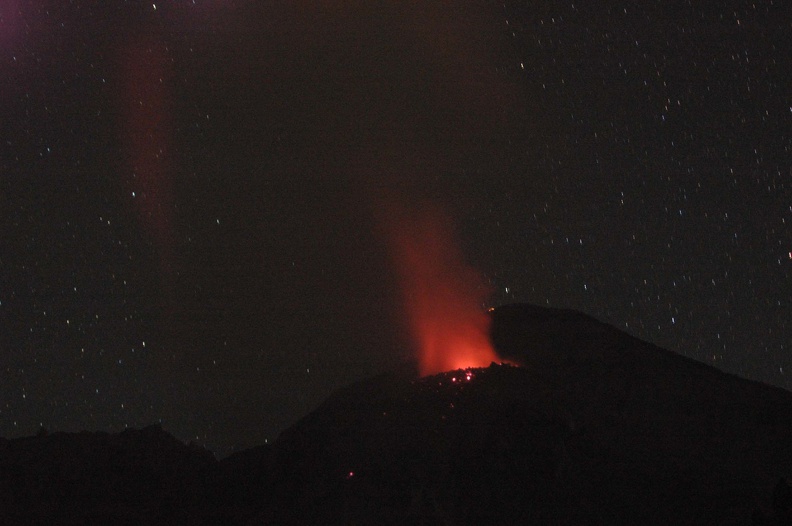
pixel 196 195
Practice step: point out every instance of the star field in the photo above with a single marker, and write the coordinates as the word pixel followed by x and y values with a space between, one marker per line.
pixel 190 192
pixel 668 201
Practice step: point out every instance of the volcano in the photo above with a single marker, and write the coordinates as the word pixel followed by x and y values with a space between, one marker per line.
pixel 593 427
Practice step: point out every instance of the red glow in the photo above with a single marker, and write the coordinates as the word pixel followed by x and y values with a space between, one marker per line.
pixel 442 295
pixel 146 132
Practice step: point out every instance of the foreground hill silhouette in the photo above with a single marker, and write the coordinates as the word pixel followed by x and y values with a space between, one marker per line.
pixel 595 427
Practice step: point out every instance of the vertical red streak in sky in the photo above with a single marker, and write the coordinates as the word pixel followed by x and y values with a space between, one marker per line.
pixel 442 295
pixel 11 22
pixel 146 133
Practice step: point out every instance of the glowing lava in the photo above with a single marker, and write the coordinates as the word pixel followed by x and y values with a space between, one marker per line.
pixel 442 295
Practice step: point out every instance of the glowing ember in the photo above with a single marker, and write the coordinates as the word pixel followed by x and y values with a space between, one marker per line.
pixel 442 295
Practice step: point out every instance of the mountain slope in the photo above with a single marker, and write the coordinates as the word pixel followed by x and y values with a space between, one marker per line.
pixel 596 427
pixel 141 476
pixel 593 427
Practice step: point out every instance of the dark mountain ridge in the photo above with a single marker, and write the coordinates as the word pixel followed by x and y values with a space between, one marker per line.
pixel 594 427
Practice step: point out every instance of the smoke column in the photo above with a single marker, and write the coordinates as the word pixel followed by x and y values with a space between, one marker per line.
pixel 442 295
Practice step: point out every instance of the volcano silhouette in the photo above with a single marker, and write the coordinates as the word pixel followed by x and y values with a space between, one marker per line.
pixel 594 427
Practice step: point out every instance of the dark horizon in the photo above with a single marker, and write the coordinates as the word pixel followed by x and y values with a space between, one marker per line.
pixel 595 427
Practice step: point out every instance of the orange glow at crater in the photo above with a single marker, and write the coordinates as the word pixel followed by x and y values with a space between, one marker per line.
pixel 442 294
